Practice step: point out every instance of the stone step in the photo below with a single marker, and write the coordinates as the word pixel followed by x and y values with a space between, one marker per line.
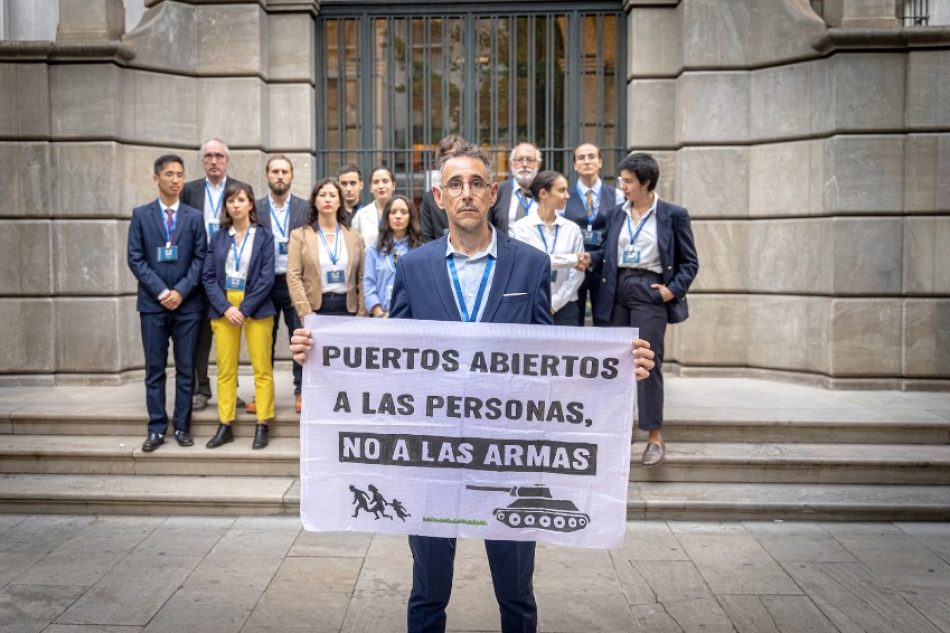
pixel 242 495
pixel 116 455
pixel 910 427
pixel 133 494
pixel 685 462
pixel 797 463
pixel 670 501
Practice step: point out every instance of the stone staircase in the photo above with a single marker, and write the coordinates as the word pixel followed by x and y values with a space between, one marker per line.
pixel 736 449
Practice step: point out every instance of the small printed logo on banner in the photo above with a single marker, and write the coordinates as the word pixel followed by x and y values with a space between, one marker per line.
pixel 534 507
pixel 375 502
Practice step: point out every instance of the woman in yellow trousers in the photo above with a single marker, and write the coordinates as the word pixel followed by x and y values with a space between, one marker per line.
pixel 238 275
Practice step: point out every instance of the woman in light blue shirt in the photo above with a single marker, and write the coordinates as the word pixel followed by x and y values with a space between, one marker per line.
pixel 399 232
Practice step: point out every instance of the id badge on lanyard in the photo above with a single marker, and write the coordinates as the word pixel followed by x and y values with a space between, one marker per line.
pixel 281 247
pixel 592 237
pixel 168 253
pixel 336 277
pixel 235 283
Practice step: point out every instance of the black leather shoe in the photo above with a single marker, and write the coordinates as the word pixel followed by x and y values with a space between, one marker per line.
pixel 183 438
pixel 223 435
pixel 199 402
pixel 239 403
pixel 153 441
pixel 260 436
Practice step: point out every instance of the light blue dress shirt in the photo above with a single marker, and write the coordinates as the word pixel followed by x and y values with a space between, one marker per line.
pixel 379 274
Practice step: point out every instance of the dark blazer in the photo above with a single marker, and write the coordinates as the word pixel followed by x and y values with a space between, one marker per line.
pixel 435 223
pixel 576 211
pixel 260 276
pixel 299 213
pixel 146 235
pixel 193 193
pixel 422 289
pixel 498 214
pixel 677 255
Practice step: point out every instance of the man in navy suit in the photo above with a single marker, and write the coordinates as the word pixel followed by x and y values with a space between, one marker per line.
pixel 281 212
pixel 589 206
pixel 207 195
pixel 166 251
pixel 513 201
pixel 475 273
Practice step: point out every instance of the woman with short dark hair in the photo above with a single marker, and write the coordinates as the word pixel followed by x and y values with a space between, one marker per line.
pixel 649 261
pixel 238 276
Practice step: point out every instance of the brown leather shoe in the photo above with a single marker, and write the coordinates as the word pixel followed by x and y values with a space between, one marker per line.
pixel 298 403
pixel 251 407
pixel 653 455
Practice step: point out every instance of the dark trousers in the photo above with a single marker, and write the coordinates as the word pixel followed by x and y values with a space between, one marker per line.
pixel 639 305
pixel 567 315
pixel 157 329
pixel 203 356
pixel 512 572
pixel 591 287
pixel 280 296
pixel 333 304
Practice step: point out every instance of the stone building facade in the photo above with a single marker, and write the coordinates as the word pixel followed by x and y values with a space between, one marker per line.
pixel 813 153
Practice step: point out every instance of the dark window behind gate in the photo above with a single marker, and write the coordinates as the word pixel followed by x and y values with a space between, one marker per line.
pixel 395 80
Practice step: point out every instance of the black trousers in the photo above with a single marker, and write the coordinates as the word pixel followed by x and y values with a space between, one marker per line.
pixel 333 304
pixel 157 329
pixel 567 315
pixel 203 355
pixel 638 305
pixel 512 572
pixel 280 296
pixel 591 287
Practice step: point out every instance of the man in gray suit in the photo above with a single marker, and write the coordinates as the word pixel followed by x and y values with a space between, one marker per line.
pixel 207 195
pixel 282 212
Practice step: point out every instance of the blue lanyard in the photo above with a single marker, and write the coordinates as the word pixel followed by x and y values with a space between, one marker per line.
pixel 633 236
pixel 557 227
pixel 169 230
pixel 391 260
pixel 215 206
pixel 334 254
pixel 523 201
pixel 596 207
pixel 237 255
pixel 470 318
pixel 273 214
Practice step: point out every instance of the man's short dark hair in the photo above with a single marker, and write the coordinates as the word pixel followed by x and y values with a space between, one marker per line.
pixel 643 166
pixel 349 168
pixel 164 159
pixel 579 145
pixel 466 149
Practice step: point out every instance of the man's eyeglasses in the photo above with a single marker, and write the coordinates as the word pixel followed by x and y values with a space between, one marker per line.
pixel 476 186
pixel 525 160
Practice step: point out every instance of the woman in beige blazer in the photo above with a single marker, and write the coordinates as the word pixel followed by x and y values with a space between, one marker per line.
pixel 325 259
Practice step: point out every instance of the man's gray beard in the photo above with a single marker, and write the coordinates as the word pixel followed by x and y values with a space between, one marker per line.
pixel 524 181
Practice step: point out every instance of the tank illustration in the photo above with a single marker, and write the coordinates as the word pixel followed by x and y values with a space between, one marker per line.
pixel 534 507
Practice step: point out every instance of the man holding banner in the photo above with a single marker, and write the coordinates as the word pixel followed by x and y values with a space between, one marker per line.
pixel 474 275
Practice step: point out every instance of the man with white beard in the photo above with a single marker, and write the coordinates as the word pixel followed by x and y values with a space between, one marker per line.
pixel 514 201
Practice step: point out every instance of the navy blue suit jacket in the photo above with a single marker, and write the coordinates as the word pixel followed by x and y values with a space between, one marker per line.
pixel 520 290
pixel 576 211
pixel 299 213
pixel 146 235
pixel 260 276
pixel 193 193
pixel 677 255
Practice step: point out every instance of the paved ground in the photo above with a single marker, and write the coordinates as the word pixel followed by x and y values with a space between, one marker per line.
pixel 124 574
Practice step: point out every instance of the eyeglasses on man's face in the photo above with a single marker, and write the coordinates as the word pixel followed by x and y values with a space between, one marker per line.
pixel 476 186
pixel 525 160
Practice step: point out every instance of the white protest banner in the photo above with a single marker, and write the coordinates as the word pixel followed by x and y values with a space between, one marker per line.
pixel 472 430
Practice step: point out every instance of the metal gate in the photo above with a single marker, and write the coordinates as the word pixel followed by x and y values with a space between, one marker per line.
pixel 394 79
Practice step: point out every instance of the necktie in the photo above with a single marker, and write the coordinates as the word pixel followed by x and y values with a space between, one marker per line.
pixel 590 201
pixel 169 220
pixel 523 204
